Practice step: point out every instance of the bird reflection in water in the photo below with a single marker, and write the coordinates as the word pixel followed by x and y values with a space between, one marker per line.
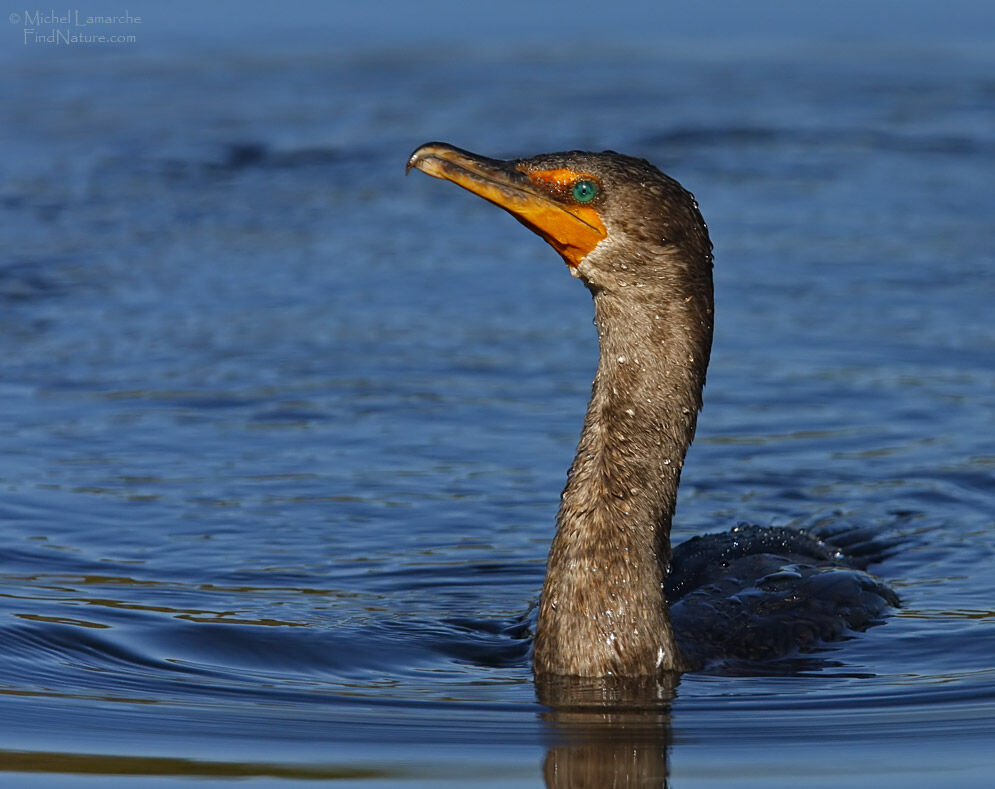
pixel 607 731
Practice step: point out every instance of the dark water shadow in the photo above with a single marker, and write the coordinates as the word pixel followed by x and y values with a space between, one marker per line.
pixel 77 764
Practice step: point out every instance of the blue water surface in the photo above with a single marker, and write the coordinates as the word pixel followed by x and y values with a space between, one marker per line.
pixel 284 432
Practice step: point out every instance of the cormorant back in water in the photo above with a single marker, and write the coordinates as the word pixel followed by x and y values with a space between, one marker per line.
pixel 615 602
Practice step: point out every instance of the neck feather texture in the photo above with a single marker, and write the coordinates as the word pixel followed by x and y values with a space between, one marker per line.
pixel 603 610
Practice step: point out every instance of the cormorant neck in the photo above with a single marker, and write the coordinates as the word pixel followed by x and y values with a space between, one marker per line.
pixel 603 610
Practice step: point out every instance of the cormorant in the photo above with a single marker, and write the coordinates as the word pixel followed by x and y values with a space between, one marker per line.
pixel 615 601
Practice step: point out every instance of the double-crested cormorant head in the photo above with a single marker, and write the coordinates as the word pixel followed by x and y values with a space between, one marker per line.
pixel 616 220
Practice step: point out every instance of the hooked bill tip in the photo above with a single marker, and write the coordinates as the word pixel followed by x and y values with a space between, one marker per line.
pixel 417 156
pixel 429 151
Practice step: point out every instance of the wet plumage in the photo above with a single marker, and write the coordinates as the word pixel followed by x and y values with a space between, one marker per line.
pixel 615 602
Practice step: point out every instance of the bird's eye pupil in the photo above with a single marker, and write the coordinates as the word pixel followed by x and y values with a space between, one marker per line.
pixel 585 191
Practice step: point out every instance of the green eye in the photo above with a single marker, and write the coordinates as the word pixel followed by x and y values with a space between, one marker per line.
pixel 585 191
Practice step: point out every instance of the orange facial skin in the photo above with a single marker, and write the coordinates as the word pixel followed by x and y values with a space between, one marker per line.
pixel 541 200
